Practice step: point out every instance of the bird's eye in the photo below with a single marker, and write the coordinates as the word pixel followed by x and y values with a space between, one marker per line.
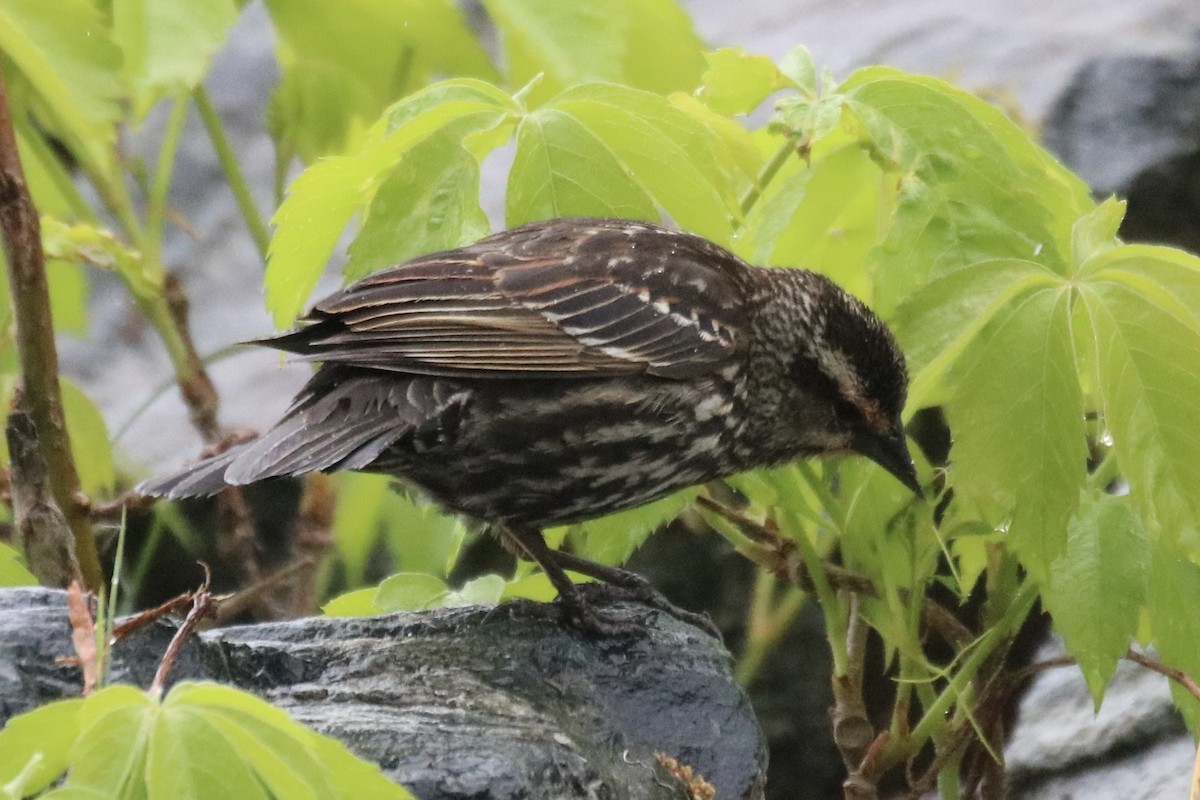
pixel 846 411
pixel 808 376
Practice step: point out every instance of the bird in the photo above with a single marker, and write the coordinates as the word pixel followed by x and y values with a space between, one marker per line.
pixel 570 368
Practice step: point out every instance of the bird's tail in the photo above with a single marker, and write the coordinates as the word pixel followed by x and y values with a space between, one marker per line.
pixel 341 420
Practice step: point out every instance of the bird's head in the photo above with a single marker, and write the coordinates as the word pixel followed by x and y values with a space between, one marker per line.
pixel 845 377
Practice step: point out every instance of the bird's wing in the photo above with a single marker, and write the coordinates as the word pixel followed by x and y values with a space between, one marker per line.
pixel 566 298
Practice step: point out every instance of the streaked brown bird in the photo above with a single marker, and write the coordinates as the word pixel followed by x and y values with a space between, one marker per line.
pixel 571 368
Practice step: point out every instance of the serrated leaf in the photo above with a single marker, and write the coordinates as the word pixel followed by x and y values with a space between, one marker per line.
pixel 430 202
pixel 1174 584
pixel 1145 344
pixel 799 68
pixel 648 44
pixel 34 746
pixel 1096 232
pixel 974 186
pixel 89 440
pixel 825 219
pixel 12 573
pixel 71 63
pixel 665 151
pixel 1019 451
pixel 938 323
pixel 323 199
pixel 613 538
pixel 377 50
pixel 167 44
pixel 1097 587
pixel 562 169
pixel 737 82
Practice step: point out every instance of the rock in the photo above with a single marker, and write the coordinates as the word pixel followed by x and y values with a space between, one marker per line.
pixel 1134 748
pixel 454 703
pixel 1130 125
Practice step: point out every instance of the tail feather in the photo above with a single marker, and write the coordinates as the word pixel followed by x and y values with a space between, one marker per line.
pixel 342 420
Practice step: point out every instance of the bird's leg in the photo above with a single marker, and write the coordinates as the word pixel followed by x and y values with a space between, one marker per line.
pixel 528 542
pixel 629 585
pixel 616 584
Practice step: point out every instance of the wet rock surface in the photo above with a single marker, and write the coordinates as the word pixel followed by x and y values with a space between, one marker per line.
pixel 472 702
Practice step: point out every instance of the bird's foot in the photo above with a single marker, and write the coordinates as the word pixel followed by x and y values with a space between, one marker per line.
pixel 584 607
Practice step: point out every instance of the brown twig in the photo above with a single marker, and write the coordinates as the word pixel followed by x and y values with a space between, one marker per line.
pixel 237 541
pixel 312 538
pixel 144 618
pixel 35 342
pixel 1179 676
pixel 853 733
pixel 83 636
pixel 111 510
pixel 203 604
pixel 42 530
pixel 234 605
pixel 780 557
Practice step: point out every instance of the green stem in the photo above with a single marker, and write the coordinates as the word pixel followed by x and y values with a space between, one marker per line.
pixel 755 192
pixel 80 208
pixel 835 621
pixel 156 206
pixel 766 625
pixel 233 171
pixel 935 713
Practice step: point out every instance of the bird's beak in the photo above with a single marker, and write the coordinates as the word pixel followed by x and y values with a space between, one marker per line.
pixel 890 451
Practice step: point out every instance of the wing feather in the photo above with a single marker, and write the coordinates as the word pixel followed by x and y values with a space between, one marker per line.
pixel 564 298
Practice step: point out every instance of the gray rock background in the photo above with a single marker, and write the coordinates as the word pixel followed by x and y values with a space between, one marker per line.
pixel 1114 85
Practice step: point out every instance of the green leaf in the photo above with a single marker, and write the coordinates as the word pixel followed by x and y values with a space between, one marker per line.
pixel 356 603
pixel 825 219
pixel 71 64
pixel 84 243
pixel 322 200
pixel 12 573
pixel 562 169
pixel 89 440
pixel 68 296
pixel 430 202
pixel 409 591
pixel 204 742
pixel 1174 591
pixel 1019 450
pixel 737 82
pixel 939 322
pixel 973 186
pixel 613 538
pixel 1098 585
pixel 1142 311
pixel 666 152
pixel 110 753
pixel 1096 232
pixel 799 68
pixel 34 746
pixel 360 55
pixel 647 44
pixel 167 44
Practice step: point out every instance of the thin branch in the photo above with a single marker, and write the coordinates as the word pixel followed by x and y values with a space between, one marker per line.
pixel 312 538
pixel 35 343
pixel 779 556
pixel 41 529
pixel 853 733
pixel 1179 676
pixel 203 604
